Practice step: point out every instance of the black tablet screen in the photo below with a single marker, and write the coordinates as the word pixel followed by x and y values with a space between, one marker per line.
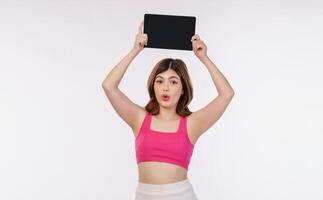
pixel 169 31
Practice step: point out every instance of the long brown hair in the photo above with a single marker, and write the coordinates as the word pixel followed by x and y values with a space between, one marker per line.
pixel 180 68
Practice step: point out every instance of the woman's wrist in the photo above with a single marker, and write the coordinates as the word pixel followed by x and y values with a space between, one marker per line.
pixel 134 52
pixel 204 58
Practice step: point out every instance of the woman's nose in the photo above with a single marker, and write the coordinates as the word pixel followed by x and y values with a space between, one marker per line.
pixel 165 87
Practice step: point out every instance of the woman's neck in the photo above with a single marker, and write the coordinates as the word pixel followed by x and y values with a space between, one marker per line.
pixel 166 114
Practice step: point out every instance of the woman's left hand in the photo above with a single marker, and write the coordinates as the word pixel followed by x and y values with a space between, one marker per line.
pixel 199 47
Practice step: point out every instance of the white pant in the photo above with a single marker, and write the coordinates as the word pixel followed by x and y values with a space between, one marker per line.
pixel 181 190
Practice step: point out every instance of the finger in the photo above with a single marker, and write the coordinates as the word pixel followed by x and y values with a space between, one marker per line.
pixel 195 46
pixel 144 36
pixel 195 37
pixel 195 43
pixel 143 41
pixel 198 43
pixel 146 40
pixel 141 26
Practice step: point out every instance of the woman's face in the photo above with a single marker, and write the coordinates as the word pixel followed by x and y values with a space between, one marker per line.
pixel 168 88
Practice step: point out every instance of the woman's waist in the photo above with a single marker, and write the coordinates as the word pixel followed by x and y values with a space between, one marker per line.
pixel 160 173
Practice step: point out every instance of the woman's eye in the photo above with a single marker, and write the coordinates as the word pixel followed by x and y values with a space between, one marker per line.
pixel 173 82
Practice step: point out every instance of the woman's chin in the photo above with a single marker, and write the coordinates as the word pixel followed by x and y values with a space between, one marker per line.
pixel 165 103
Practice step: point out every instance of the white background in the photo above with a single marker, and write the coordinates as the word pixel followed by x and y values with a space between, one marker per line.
pixel 61 139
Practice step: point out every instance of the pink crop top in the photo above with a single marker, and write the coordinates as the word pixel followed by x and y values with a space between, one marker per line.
pixel 169 147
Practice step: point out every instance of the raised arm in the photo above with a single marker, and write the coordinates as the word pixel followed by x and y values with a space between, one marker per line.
pixel 125 108
pixel 204 118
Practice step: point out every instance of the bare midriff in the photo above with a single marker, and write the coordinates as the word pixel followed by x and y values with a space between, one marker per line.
pixel 160 173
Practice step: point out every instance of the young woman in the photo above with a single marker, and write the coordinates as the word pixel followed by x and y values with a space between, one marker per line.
pixel 165 130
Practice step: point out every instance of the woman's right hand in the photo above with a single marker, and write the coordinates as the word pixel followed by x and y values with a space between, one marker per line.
pixel 141 39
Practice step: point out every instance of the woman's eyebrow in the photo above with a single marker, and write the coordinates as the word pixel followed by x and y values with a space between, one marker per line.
pixel 168 78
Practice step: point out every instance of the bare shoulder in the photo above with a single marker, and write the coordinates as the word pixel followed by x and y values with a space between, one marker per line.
pixel 193 130
pixel 140 116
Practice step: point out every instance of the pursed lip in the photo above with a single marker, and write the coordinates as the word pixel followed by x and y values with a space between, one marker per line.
pixel 165 96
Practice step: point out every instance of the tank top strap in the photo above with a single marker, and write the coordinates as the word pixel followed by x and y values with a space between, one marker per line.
pixel 146 121
pixel 182 125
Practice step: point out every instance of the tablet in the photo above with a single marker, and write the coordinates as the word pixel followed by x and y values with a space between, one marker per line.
pixel 169 31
